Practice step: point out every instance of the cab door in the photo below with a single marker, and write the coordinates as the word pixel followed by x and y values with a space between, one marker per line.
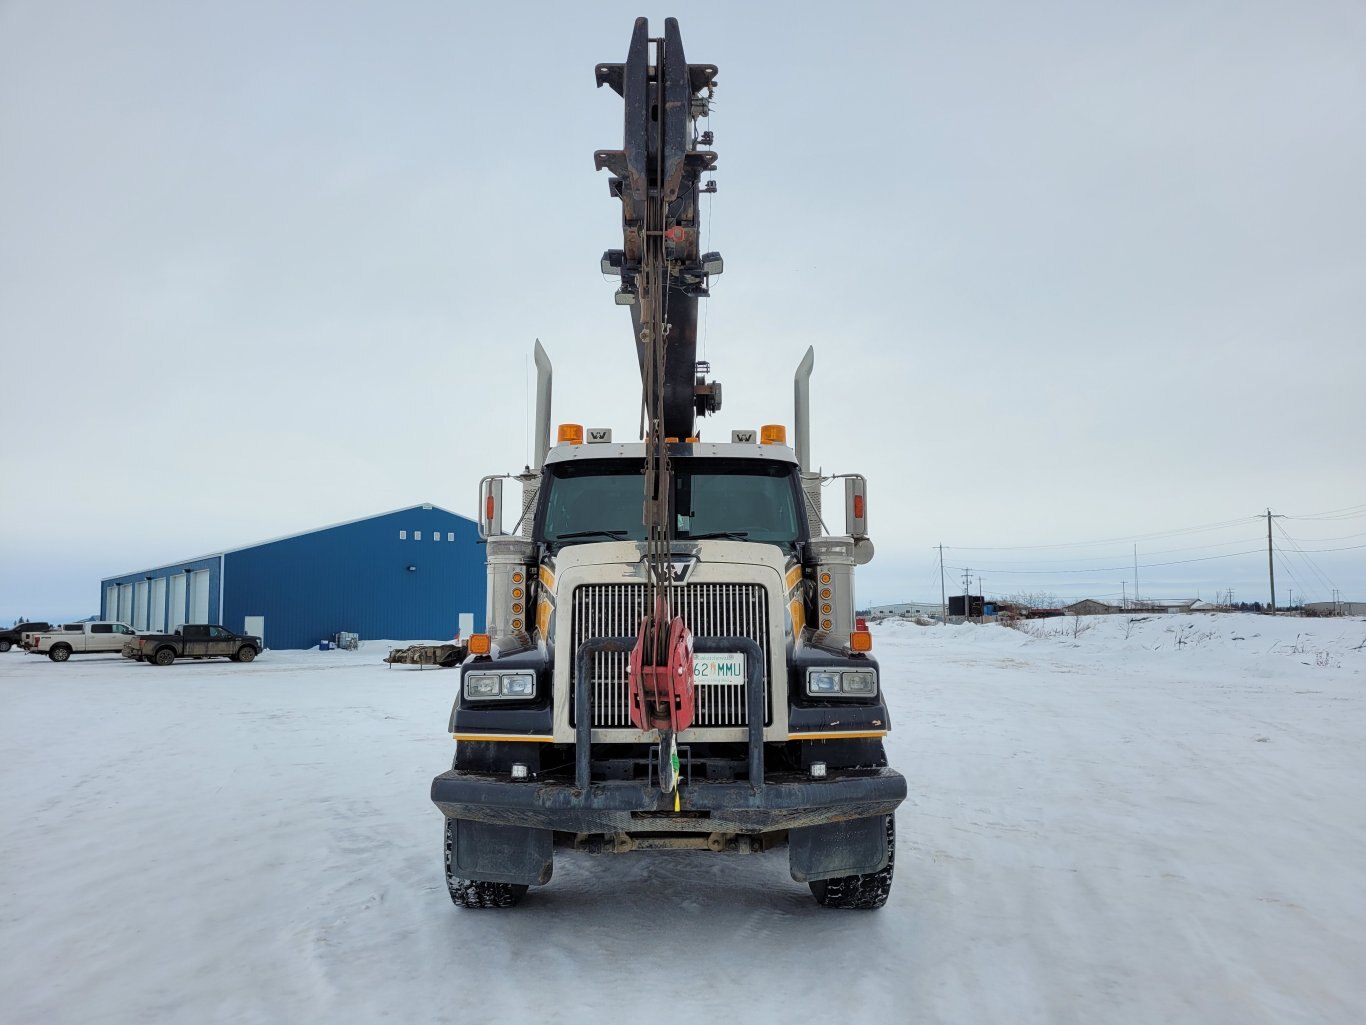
pixel 220 641
pixel 100 638
pixel 196 638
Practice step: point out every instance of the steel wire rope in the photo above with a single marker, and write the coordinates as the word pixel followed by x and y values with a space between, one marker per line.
pixel 1313 566
pixel 1290 572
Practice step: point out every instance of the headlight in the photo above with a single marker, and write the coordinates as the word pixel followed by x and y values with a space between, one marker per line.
pixel 854 683
pixel 820 681
pixel 491 686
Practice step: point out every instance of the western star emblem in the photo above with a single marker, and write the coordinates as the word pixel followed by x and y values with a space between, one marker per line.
pixel 680 568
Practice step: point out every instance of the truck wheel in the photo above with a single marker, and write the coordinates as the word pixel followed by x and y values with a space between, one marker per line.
pixel 60 652
pixel 246 653
pixel 164 656
pixel 5 645
pixel 478 893
pixel 865 892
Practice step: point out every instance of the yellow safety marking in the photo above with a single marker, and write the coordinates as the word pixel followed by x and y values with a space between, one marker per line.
pixel 499 737
pixel 794 576
pixel 677 804
pixel 798 611
pixel 837 735
pixel 547 578
pixel 543 610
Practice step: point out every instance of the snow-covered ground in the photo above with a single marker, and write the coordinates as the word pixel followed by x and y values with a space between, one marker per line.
pixel 1167 826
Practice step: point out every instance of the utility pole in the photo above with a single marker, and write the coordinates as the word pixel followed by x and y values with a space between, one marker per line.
pixel 943 602
pixel 1270 563
pixel 1135 576
pixel 967 598
pixel 1124 594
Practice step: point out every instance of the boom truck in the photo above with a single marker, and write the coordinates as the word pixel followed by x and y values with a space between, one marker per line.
pixel 671 658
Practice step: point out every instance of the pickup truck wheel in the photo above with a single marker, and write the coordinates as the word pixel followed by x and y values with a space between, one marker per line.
pixel 5 645
pixel 164 656
pixel 862 892
pixel 478 893
pixel 60 652
pixel 246 653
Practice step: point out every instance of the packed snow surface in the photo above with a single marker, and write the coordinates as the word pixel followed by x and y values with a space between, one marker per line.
pixel 1109 822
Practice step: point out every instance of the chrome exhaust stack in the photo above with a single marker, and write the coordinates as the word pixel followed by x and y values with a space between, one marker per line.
pixel 801 429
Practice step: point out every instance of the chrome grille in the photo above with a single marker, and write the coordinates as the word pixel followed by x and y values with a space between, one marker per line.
pixel 711 610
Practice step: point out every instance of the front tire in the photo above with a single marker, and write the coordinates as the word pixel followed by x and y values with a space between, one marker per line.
pixel 863 892
pixel 60 652
pixel 5 646
pixel 164 656
pixel 477 893
pixel 245 653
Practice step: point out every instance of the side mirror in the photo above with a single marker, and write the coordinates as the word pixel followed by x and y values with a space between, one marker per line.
pixel 490 507
pixel 856 506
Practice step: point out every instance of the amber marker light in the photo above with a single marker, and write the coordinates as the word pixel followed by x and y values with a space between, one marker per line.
pixel 570 434
pixel 480 644
pixel 772 434
pixel 860 641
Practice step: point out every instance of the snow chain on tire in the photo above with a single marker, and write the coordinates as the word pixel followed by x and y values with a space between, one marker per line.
pixel 477 893
pixel 859 893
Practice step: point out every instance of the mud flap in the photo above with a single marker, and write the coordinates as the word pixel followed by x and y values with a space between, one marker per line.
pixel 502 854
pixel 853 848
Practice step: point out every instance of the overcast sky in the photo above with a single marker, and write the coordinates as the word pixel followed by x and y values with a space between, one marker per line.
pixel 1073 271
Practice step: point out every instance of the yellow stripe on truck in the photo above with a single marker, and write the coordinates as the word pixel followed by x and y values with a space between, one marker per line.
pixel 503 736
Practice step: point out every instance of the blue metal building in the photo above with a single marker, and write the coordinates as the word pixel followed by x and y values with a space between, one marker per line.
pixel 402 575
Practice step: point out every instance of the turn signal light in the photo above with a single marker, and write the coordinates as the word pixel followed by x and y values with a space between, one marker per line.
pixel 772 434
pixel 570 434
pixel 860 641
pixel 480 644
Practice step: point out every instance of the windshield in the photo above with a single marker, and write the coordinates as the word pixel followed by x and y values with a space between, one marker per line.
pixel 603 500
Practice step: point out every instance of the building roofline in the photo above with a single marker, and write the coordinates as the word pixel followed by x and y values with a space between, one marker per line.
pixel 285 537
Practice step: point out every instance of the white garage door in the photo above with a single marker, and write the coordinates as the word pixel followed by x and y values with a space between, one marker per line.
pixel 199 596
pixel 140 596
pixel 111 602
pixel 156 619
pixel 176 619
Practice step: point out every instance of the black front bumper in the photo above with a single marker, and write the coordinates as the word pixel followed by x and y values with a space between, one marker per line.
pixel 785 801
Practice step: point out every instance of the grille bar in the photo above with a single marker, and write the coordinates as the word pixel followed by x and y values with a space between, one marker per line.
pixel 711 610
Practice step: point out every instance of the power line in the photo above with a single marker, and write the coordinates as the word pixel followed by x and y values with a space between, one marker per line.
pixel 1107 541
pixel 1116 569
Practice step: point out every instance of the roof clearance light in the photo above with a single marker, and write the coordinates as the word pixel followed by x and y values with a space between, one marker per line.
pixel 772 434
pixel 571 434
pixel 479 644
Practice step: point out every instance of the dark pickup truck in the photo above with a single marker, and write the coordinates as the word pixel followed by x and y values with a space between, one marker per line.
pixel 9 638
pixel 193 640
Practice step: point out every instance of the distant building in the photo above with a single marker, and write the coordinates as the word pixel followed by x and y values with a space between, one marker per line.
pixel 912 608
pixel 1091 607
pixel 1335 608
pixel 402 575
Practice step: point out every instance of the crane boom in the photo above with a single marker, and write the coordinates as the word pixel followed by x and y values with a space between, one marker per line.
pixel 656 175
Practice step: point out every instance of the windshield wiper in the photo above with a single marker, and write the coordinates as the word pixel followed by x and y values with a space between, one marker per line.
pixel 731 535
pixel 615 535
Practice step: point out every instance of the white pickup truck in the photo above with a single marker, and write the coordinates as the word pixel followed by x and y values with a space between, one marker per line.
pixel 90 639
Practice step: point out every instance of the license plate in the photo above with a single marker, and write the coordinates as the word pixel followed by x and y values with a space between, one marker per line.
pixel 718 668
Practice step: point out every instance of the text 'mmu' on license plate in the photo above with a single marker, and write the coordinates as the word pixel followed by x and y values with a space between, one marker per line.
pixel 718 668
